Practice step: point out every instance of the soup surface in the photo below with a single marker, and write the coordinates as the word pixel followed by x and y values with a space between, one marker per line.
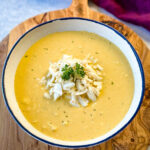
pixel 83 123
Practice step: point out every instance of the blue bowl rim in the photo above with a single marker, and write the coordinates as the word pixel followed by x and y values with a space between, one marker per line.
pixel 73 146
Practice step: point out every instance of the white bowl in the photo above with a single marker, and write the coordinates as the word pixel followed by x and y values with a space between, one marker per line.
pixel 70 24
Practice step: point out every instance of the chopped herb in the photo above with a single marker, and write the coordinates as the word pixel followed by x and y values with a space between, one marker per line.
pixel 112 83
pixel 110 43
pixel 66 116
pixel 92 38
pixel 67 72
pixel 94 109
pixel 79 70
pixel 32 69
pixel 91 115
pixel 64 112
pixel 72 41
pixel 100 114
pixel 26 56
pixel 96 52
pixel 122 103
pixel 45 49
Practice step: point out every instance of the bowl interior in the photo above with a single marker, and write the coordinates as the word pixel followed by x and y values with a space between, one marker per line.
pixel 71 24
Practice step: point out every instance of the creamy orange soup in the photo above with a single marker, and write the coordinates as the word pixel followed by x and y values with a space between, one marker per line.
pixel 83 123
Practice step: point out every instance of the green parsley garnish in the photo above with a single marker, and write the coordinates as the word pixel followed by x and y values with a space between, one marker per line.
pixel 69 72
pixel 26 56
pixel 112 82
pixel 79 70
pixel 45 49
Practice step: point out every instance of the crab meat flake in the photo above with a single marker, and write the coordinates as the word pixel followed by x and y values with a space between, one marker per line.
pixel 78 90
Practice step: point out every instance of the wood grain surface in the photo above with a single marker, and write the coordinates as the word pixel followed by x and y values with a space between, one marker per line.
pixel 136 136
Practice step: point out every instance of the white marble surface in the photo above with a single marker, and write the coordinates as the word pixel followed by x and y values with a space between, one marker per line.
pixel 13 12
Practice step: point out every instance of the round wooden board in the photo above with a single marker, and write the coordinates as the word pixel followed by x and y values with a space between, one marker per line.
pixel 136 136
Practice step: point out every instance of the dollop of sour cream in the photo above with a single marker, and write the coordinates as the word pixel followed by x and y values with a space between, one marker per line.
pixel 78 90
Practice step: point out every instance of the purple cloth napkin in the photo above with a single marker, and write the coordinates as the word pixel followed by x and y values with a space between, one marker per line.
pixel 134 11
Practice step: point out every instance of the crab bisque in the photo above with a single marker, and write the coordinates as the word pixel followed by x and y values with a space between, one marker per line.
pixel 52 111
